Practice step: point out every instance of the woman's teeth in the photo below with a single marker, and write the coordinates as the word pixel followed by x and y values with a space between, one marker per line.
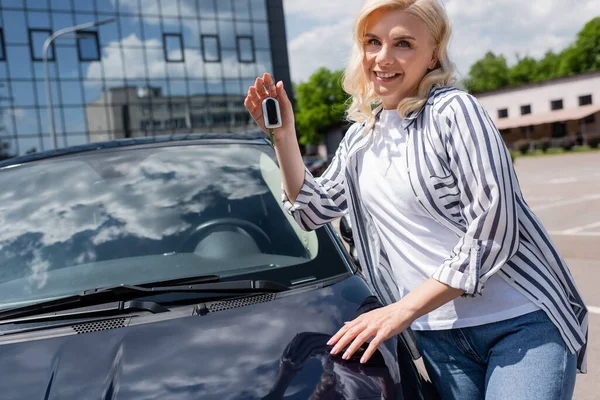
pixel 382 75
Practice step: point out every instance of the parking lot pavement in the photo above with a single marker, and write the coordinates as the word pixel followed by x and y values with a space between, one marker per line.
pixel 564 192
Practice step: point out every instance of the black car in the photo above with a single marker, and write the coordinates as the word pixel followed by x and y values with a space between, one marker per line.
pixel 166 268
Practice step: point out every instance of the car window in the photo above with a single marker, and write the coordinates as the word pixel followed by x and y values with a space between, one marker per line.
pixel 142 215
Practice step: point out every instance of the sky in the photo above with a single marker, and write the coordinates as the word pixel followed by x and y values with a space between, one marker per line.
pixel 319 31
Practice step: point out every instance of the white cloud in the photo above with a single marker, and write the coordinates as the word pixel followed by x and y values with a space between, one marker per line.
pixel 17 112
pixel 325 46
pixel 322 10
pixel 509 27
pixel 125 59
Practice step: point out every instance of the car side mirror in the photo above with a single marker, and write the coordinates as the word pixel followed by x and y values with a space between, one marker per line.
pixel 346 230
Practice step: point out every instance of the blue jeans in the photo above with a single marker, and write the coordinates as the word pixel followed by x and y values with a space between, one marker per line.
pixel 519 358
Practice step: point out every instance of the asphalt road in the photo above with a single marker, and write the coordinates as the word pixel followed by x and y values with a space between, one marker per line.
pixel 564 192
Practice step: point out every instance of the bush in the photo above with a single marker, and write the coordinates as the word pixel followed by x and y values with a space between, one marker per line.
pixel 543 144
pixel 568 142
pixel 593 140
pixel 522 146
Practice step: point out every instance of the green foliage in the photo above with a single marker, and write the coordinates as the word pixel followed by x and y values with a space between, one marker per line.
pixel 547 67
pixel 320 104
pixel 4 154
pixel 491 72
pixel 523 71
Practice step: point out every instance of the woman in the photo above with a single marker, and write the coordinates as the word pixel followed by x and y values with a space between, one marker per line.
pixel 443 233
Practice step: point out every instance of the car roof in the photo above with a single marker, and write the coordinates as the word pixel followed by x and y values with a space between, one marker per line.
pixel 254 137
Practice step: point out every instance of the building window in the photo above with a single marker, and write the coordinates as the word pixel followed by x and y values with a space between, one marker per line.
pixel 526 109
pixel 559 129
pixel 211 48
pixel 245 49
pixel 590 119
pixel 173 47
pixel 2 48
pixel 37 37
pixel 585 100
pixel 503 113
pixel 556 105
pixel 88 46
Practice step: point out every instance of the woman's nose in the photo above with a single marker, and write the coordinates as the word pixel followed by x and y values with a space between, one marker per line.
pixel 384 56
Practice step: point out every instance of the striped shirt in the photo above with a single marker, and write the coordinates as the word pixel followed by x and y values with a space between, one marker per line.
pixel 461 174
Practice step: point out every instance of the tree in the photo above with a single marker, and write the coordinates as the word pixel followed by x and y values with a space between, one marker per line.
pixel 584 54
pixel 523 71
pixel 320 103
pixel 4 151
pixel 547 67
pixel 489 73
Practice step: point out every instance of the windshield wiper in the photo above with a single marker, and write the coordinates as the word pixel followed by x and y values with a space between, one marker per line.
pixel 128 292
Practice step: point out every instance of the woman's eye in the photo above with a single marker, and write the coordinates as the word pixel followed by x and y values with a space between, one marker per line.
pixel 374 42
pixel 403 43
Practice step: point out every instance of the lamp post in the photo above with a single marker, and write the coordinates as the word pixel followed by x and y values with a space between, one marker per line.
pixel 47 44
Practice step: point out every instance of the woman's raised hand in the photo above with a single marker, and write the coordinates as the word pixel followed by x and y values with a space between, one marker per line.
pixel 264 87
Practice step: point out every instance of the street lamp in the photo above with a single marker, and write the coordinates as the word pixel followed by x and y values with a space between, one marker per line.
pixel 47 44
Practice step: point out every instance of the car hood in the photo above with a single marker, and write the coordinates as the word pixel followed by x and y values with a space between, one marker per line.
pixel 270 350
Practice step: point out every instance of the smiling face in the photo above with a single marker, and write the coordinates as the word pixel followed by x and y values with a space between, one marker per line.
pixel 398 50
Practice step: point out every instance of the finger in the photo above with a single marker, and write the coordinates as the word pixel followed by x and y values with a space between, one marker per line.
pixel 270 84
pixel 347 324
pixel 260 88
pixel 252 103
pixel 334 339
pixel 347 338
pixel 250 106
pixel 254 97
pixel 281 93
pixel 358 341
pixel 371 349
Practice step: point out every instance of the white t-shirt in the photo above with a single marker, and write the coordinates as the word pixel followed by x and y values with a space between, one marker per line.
pixel 415 243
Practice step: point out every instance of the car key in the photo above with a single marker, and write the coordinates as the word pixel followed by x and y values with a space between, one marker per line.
pixel 271 116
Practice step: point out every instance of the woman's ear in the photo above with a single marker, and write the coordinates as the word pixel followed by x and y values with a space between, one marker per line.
pixel 434 59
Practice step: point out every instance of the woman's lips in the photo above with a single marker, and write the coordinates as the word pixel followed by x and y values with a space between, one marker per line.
pixel 386 79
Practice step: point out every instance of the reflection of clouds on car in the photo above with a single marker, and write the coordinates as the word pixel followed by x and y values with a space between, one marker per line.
pixel 340 379
pixel 95 202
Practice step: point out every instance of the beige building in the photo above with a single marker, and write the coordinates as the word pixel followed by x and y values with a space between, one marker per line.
pixel 554 108
pixel 126 112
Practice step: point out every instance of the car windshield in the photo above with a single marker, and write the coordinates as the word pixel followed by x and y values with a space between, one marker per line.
pixel 132 216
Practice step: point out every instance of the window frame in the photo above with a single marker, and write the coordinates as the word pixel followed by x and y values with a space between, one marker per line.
pixel 239 52
pixel 586 96
pixel 526 107
pixel 210 36
pixel 502 113
pixel 97 39
pixel 31 31
pixel 2 45
pixel 556 102
pixel 165 51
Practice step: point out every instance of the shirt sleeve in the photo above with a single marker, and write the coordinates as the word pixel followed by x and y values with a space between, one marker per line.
pixel 486 180
pixel 321 199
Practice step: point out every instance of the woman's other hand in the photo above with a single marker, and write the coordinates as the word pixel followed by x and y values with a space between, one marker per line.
pixel 264 87
pixel 379 324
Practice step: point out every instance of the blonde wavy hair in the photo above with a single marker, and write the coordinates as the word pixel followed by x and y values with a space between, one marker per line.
pixel 356 84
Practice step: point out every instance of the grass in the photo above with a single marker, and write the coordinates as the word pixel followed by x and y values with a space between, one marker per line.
pixel 553 151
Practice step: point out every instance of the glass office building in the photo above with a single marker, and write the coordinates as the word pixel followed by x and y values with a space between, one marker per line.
pixel 145 67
